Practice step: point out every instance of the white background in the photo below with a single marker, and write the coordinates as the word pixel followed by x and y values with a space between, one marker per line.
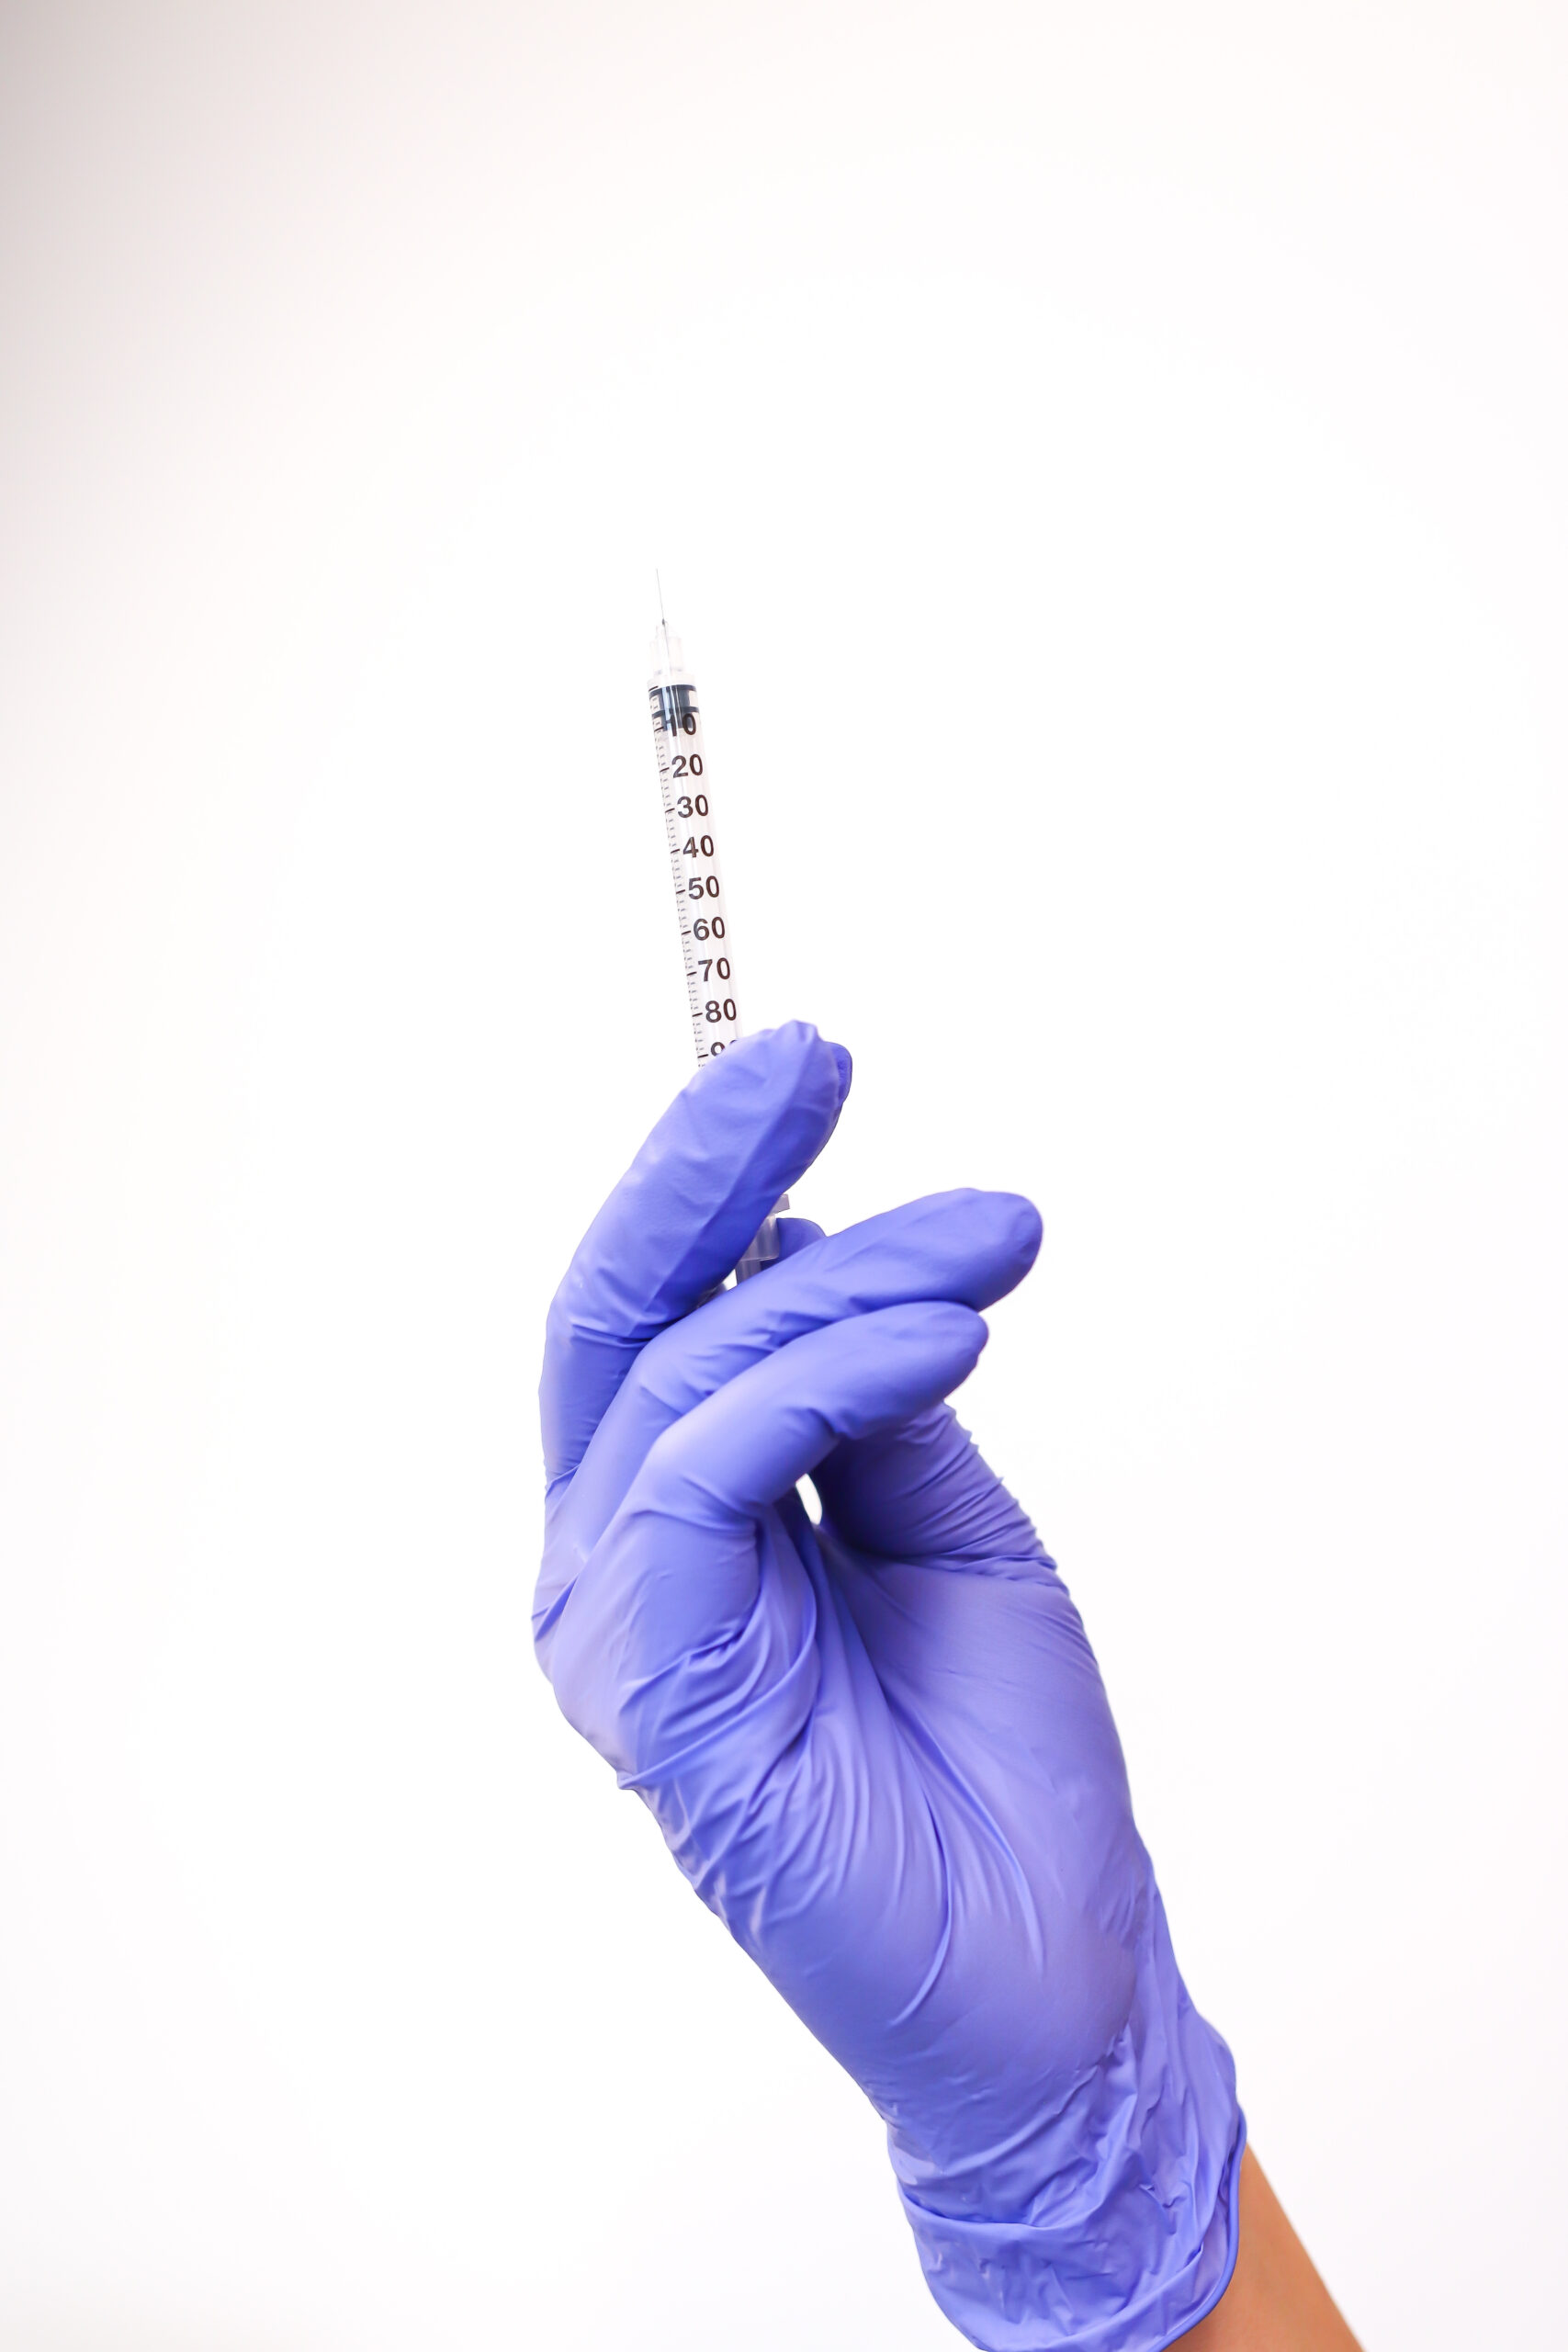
pixel 1138 431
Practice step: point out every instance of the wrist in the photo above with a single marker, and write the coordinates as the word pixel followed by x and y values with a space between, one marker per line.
pixel 1276 2301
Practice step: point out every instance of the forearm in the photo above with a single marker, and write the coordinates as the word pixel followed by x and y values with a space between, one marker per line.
pixel 1275 2302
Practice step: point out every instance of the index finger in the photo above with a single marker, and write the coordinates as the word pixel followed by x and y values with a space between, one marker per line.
pixel 744 1130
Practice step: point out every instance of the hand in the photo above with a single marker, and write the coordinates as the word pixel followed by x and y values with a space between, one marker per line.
pixel 879 1748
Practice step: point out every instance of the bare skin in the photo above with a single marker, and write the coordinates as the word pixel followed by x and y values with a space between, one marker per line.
pixel 1275 2302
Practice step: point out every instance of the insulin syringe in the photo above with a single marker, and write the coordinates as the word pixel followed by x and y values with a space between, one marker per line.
pixel 708 944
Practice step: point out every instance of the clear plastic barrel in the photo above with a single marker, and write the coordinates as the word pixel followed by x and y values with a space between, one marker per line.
pixel 707 940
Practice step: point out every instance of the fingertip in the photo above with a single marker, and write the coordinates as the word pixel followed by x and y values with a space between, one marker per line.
pixel 801 1042
pixel 969 1329
pixel 788 1075
pixel 1029 1227
pixel 952 1329
pixel 1016 1231
pixel 953 1315
pixel 990 1240
pixel 790 1043
pixel 924 1350
pixel 797 1037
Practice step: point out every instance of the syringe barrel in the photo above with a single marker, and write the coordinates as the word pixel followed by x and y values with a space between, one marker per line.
pixel 701 907
pixel 707 947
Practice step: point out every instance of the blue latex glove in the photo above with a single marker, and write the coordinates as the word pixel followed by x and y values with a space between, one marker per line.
pixel 879 1748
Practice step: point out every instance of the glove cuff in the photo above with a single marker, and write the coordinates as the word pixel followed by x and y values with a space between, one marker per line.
pixel 1131 2237
pixel 1009 2286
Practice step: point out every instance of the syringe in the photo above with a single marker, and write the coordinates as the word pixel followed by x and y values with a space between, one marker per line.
pixel 707 943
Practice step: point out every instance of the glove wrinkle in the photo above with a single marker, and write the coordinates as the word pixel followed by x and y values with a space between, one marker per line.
pixel 938 1769
pixel 932 1976
pixel 751 1683
pixel 927 1475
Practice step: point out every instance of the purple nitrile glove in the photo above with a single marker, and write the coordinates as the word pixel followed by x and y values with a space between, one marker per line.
pixel 879 1748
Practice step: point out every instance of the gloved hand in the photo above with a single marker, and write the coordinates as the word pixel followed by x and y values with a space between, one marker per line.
pixel 879 1748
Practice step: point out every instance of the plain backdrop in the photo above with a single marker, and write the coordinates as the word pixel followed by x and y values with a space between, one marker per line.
pixel 1107 464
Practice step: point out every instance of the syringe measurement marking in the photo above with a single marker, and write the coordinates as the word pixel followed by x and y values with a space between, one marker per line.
pixel 716 1020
